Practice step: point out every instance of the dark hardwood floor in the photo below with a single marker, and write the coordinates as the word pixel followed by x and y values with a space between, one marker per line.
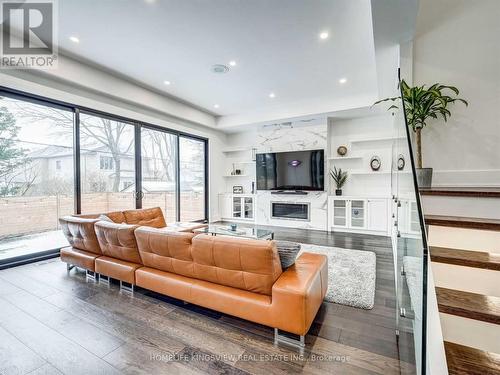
pixel 53 323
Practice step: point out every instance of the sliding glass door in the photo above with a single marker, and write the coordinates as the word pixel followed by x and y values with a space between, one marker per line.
pixel 159 171
pixel 58 159
pixel 192 179
pixel 36 177
pixel 107 164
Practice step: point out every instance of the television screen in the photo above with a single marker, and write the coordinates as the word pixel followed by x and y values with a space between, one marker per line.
pixel 294 170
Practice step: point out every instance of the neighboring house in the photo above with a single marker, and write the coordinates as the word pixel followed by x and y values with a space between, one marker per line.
pixel 51 167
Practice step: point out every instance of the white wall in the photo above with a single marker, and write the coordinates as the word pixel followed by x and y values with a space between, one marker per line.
pixel 457 44
pixel 128 106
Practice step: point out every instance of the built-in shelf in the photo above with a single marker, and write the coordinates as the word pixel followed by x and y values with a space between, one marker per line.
pixel 235 149
pixel 345 157
pixel 374 172
pixel 368 172
pixel 235 175
pixel 380 139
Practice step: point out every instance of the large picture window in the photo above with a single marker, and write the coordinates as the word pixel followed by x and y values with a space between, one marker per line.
pixel 107 161
pixel 123 164
pixel 36 176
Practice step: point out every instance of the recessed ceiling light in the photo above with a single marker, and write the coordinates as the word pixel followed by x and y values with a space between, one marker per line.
pixel 167 82
pixel 343 80
pixel 323 35
pixel 150 1
pixel 232 63
pixel 74 39
pixel 216 106
pixel 272 95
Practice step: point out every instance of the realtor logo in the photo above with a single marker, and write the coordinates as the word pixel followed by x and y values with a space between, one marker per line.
pixel 28 34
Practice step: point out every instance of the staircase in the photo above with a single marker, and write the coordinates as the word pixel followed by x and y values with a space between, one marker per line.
pixel 464 246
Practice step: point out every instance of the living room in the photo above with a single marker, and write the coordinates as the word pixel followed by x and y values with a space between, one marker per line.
pixel 239 187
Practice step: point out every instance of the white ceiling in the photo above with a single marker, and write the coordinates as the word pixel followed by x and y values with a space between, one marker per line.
pixel 274 42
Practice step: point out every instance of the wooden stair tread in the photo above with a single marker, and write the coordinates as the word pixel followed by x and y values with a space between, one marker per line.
pixel 469 305
pixel 467 258
pixel 463 360
pixel 463 222
pixel 453 191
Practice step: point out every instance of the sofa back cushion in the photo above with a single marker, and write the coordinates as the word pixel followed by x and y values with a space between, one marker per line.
pixel 118 241
pixel 251 265
pixel 166 250
pixel 80 233
pixel 116 216
pixel 150 217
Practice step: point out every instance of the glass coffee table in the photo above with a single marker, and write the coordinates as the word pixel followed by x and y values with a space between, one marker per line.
pixel 225 230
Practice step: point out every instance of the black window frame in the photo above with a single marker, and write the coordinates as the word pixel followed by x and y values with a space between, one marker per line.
pixel 138 125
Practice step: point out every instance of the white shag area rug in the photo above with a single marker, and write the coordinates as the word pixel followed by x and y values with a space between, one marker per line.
pixel 351 275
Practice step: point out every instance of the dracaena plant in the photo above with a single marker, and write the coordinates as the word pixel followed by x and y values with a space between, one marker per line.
pixel 423 103
pixel 338 176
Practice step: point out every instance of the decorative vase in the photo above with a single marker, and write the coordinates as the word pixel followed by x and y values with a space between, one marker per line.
pixel 424 177
pixel 338 192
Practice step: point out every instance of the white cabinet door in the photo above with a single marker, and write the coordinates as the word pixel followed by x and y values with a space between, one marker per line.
pixel 404 216
pixel 225 206
pixel 357 213
pixel 377 214
pixel 248 205
pixel 340 211
pixel 237 207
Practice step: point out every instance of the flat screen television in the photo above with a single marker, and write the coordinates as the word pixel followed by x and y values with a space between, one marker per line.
pixel 294 170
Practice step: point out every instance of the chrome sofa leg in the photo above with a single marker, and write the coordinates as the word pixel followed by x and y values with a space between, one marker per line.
pixel 300 343
pixel 104 279
pixel 69 267
pixel 126 287
pixel 91 276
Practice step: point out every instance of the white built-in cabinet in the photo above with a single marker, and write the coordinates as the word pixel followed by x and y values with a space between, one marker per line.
pixel 358 214
pixel 237 206
pixel 408 221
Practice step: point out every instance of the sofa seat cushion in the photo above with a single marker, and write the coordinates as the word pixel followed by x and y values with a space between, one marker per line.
pixel 241 303
pixel 79 258
pixel 80 233
pixel 118 241
pixel 116 268
pixel 149 217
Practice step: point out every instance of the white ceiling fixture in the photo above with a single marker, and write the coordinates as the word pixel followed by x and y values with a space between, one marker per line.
pixel 323 35
pixel 74 39
pixel 216 106
pixel 232 63
pixel 167 83
pixel 342 80
pixel 272 95
pixel 220 68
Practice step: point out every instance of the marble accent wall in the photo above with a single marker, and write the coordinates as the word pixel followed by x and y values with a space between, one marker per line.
pixel 283 137
pixel 291 138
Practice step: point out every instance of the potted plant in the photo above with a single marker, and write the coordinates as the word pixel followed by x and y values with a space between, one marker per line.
pixel 339 177
pixel 421 104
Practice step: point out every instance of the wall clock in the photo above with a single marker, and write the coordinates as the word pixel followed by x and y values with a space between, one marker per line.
pixel 342 150
pixel 375 163
pixel 401 162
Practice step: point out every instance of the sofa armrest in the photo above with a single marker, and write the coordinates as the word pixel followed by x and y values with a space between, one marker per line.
pixel 298 293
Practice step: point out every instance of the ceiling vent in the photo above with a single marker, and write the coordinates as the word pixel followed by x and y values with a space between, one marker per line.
pixel 220 68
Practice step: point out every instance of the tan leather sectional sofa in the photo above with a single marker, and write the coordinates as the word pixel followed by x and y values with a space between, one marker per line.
pixel 235 276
